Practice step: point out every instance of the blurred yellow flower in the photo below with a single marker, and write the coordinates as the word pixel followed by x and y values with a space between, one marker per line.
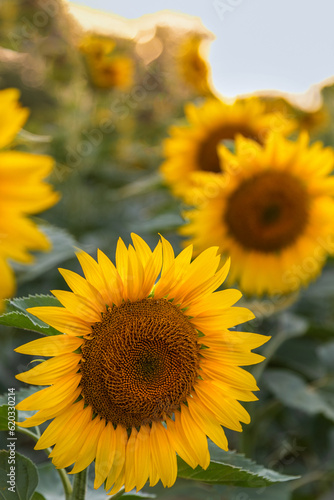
pixel 96 47
pixel 143 369
pixel 194 147
pixel 106 69
pixel 310 121
pixel 22 193
pixel 273 213
pixel 192 66
pixel 113 72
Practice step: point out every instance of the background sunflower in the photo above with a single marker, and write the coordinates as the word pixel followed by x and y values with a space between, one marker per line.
pixel 194 147
pixel 270 215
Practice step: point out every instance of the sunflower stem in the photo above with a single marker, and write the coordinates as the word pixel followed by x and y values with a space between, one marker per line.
pixel 61 472
pixel 119 494
pixel 79 485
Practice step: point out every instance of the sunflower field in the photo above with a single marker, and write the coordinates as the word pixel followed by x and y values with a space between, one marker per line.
pixel 166 268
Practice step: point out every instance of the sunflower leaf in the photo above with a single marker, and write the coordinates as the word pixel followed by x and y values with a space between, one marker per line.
pixel 234 469
pixel 4 414
pixel 24 474
pixel 16 315
pixel 293 391
pixel 38 496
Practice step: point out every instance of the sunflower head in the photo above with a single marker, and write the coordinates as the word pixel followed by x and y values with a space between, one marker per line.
pixel 96 47
pixel 272 211
pixel 23 192
pixel 194 147
pixel 112 72
pixel 106 69
pixel 192 64
pixel 141 369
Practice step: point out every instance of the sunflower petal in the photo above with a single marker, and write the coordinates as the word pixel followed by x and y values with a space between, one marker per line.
pixel 163 455
pixel 51 346
pixel 105 454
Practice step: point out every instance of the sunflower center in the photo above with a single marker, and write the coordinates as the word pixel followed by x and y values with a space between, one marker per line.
pixel 268 212
pixel 141 364
pixel 207 155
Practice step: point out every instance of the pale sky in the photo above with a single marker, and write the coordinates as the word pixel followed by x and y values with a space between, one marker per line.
pixel 286 45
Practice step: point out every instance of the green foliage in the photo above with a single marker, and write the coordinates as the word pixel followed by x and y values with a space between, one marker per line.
pixel 4 417
pixel 63 248
pixel 26 477
pixel 293 391
pixel 232 468
pixel 15 314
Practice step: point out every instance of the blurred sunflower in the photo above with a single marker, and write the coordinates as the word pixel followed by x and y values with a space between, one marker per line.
pixel 22 193
pixel 106 69
pixel 310 121
pixel 143 370
pixel 96 47
pixel 192 66
pixel 194 147
pixel 273 215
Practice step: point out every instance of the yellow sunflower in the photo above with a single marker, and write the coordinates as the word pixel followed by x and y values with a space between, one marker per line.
pixel 310 121
pixel 22 193
pixel 273 214
pixel 194 147
pixel 112 72
pixel 192 66
pixel 96 47
pixel 106 69
pixel 141 371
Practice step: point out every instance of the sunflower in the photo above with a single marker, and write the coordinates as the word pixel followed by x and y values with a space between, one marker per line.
pixel 106 69
pixel 194 147
pixel 273 214
pixel 96 47
pixel 310 121
pixel 141 371
pixel 112 72
pixel 192 66
pixel 22 192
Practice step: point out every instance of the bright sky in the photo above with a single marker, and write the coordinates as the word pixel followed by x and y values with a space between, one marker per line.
pixel 286 45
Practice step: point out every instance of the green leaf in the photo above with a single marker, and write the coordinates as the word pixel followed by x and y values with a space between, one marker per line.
pixel 139 496
pixel 302 357
pixel 26 476
pixel 49 484
pixel 279 491
pixel 38 496
pixel 231 468
pixel 326 354
pixel 15 314
pixel 293 391
pixel 62 249
pixel 4 422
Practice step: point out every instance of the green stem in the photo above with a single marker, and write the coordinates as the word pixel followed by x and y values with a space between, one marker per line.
pixel 61 472
pixel 79 485
pixel 119 494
